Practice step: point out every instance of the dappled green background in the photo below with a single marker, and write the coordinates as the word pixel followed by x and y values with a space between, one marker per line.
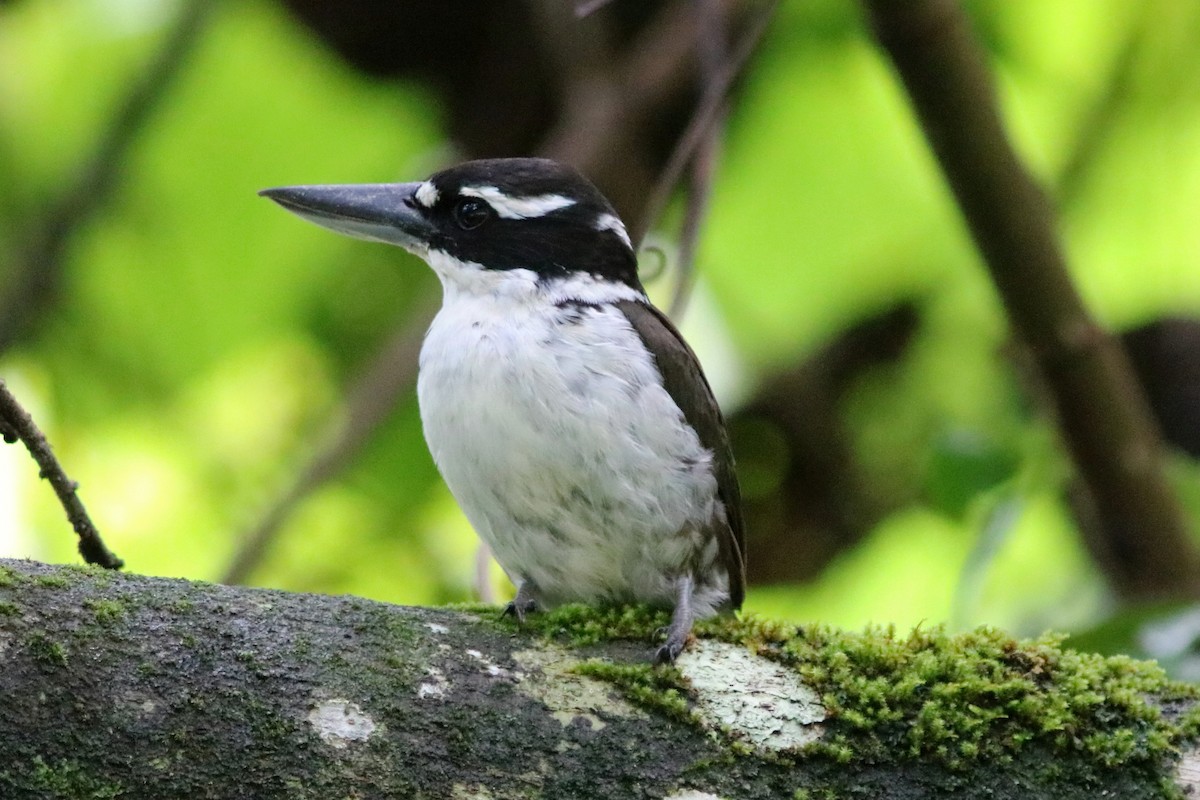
pixel 202 340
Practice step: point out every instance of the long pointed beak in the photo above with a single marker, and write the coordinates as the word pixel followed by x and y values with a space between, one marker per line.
pixel 379 212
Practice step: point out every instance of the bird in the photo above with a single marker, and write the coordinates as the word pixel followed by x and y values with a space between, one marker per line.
pixel 568 417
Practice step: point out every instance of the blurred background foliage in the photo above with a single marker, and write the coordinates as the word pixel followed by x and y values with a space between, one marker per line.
pixel 196 345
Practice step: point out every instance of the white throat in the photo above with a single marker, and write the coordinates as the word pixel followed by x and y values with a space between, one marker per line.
pixel 466 280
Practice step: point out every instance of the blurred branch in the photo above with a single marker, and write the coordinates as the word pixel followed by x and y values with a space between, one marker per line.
pixel 15 423
pixel 703 121
pixel 606 109
pixel 36 267
pixel 1100 120
pixel 602 103
pixel 699 190
pixel 390 374
pixel 824 502
pixel 1102 413
pixel 585 8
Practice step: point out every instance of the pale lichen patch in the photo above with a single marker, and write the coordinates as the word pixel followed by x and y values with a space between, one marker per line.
pixel 1187 772
pixel 339 722
pixel 756 699
pixel 437 627
pixel 548 676
pixel 461 791
pixel 435 687
pixel 693 794
pixel 490 668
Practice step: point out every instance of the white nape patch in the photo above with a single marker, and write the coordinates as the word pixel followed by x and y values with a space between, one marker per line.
pixel 760 701
pixel 517 207
pixel 427 194
pixel 609 222
pixel 339 722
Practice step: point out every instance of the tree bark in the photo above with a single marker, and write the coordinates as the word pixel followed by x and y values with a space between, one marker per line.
pixel 133 687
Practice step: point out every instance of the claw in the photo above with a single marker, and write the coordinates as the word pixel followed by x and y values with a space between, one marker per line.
pixel 522 604
pixel 518 609
pixel 668 653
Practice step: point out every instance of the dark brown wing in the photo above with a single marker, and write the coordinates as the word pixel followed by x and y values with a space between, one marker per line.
pixel 685 382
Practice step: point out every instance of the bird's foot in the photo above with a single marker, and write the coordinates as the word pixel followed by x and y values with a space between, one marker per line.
pixel 680 628
pixel 524 603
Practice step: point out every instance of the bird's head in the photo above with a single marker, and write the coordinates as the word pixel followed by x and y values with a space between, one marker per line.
pixel 481 218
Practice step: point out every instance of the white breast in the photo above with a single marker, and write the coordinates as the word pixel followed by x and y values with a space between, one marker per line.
pixel 552 429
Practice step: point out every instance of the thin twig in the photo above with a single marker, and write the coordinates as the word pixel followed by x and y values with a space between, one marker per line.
pixel 1103 414
pixel 702 121
pixel 1101 119
pixel 601 111
pixel 36 267
pixel 702 169
pixel 15 423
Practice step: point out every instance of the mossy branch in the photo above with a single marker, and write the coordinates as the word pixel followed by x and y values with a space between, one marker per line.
pixel 126 686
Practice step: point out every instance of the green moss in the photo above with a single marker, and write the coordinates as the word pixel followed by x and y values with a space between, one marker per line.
pixel 8 578
pixel 181 606
pixel 956 699
pixel 69 781
pixel 377 620
pixel 46 650
pixel 581 626
pixel 52 581
pixel 107 611
pixel 662 690
pixel 9 609
pixel 100 576
pixel 303 647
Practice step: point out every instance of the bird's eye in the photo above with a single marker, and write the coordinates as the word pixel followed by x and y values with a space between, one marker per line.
pixel 470 213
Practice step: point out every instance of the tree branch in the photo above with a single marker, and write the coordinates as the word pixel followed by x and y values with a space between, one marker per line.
pixel 1103 415
pixel 134 687
pixel 15 423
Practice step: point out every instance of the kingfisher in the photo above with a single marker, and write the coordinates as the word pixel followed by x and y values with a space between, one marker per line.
pixel 567 415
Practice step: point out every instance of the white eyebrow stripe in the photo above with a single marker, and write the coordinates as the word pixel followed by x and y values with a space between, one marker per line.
pixel 517 207
pixel 609 222
pixel 427 194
